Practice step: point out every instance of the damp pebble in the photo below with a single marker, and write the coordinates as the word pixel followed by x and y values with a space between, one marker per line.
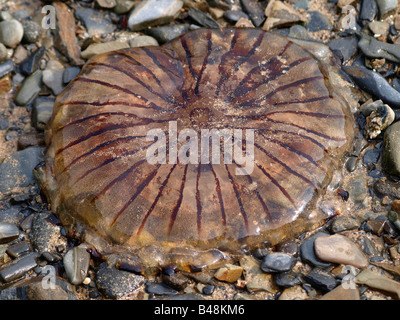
pixel 95 21
pixel 339 249
pixel 229 273
pixel 254 11
pixel 123 6
pixel 378 281
pixel 70 73
pixel 391 150
pixel 17 249
pixel 386 7
pixel 53 76
pixel 318 22
pixel 143 41
pixel 287 279
pixel 32 31
pixel 277 262
pixel 233 16
pixel 203 19
pixel 16 170
pixel 153 12
pixel 307 251
pixel 76 263
pixel 342 223
pixel 29 89
pixel 6 67
pixel 160 289
pixel 32 63
pixel 18 267
pixel 369 10
pixel 321 280
pixel 11 33
pixel 377 49
pixel 41 111
pixel 164 34
pixel 117 284
pixel 8 232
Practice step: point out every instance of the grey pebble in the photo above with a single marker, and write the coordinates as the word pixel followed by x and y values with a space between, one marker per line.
pixel 3 123
pixel 307 251
pixel 11 33
pixel 45 233
pixel 321 280
pixel 299 32
pixel 70 73
pixel 254 11
pixel 377 49
pixel 41 111
pixel 277 262
pixel 8 232
pixel 374 84
pixel 302 4
pixel 203 19
pixel 143 41
pixel 6 67
pixel 391 150
pixel 153 12
pixel 76 263
pixel 167 33
pixel 17 249
pixel 95 21
pixel 342 223
pixel 371 156
pixel 32 63
pixel 347 46
pixel 16 170
pixel 32 31
pixel 123 6
pixel 287 279
pixel 3 52
pixel 29 89
pixel 369 10
pixel 18 267
pixel 115 284
pixel 160 289
pixel 234 16
pixel 318 22
pixel 386 6
pixel 53 76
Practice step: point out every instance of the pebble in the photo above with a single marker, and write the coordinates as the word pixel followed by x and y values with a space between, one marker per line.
pixel 96 22
pixel 299 32
pixel 347 46
pixel 377 281
pixel 376 85
pixel 287 279
pixel 29 89
pixel 377 49
pixel 45 234
pixel 11 33
pixel 342 223
pixel 369 10
pixel 167 33
pixel 41 111
pixel 233 16
pixel 16 170
pixel 302 4
pixel 160 289
pixel 379 28
pixel 341 250
pixel 36 291
pixel 307 251
pixel 378 117
pixel 254 11
pixel 17 249
pixel 3 52
pixel 371 156
pixel 123 6
pixel 321 280
pixel 229 273
pixel 76 263
pixel 294 293
pixel 386 7
pixel 8 232
pixel 98 48
pixel 203 19
pixel 391 150
pixel 69 74
pixel 18 267
pixel 277 262
pixel 6 67
pixel 117 284
pixel 108 4
pixel 318 22
pixel 32 63
pixel 256 279
pixel 385 187
pixel 53 76
pixel 32 31
pixel 64 38
pixel 342 293
pixel 281 15
pixel 175 280
pixel 153 12
pixel 143 41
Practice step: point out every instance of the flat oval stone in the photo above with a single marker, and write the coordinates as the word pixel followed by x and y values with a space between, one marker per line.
pixel 341 250
pixel 76 263
pixel 8 232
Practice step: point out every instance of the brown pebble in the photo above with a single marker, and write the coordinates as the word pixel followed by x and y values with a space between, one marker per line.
pixel 229 273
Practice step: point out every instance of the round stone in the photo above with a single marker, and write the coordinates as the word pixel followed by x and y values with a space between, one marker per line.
pixel 11 33
pixel 278 262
